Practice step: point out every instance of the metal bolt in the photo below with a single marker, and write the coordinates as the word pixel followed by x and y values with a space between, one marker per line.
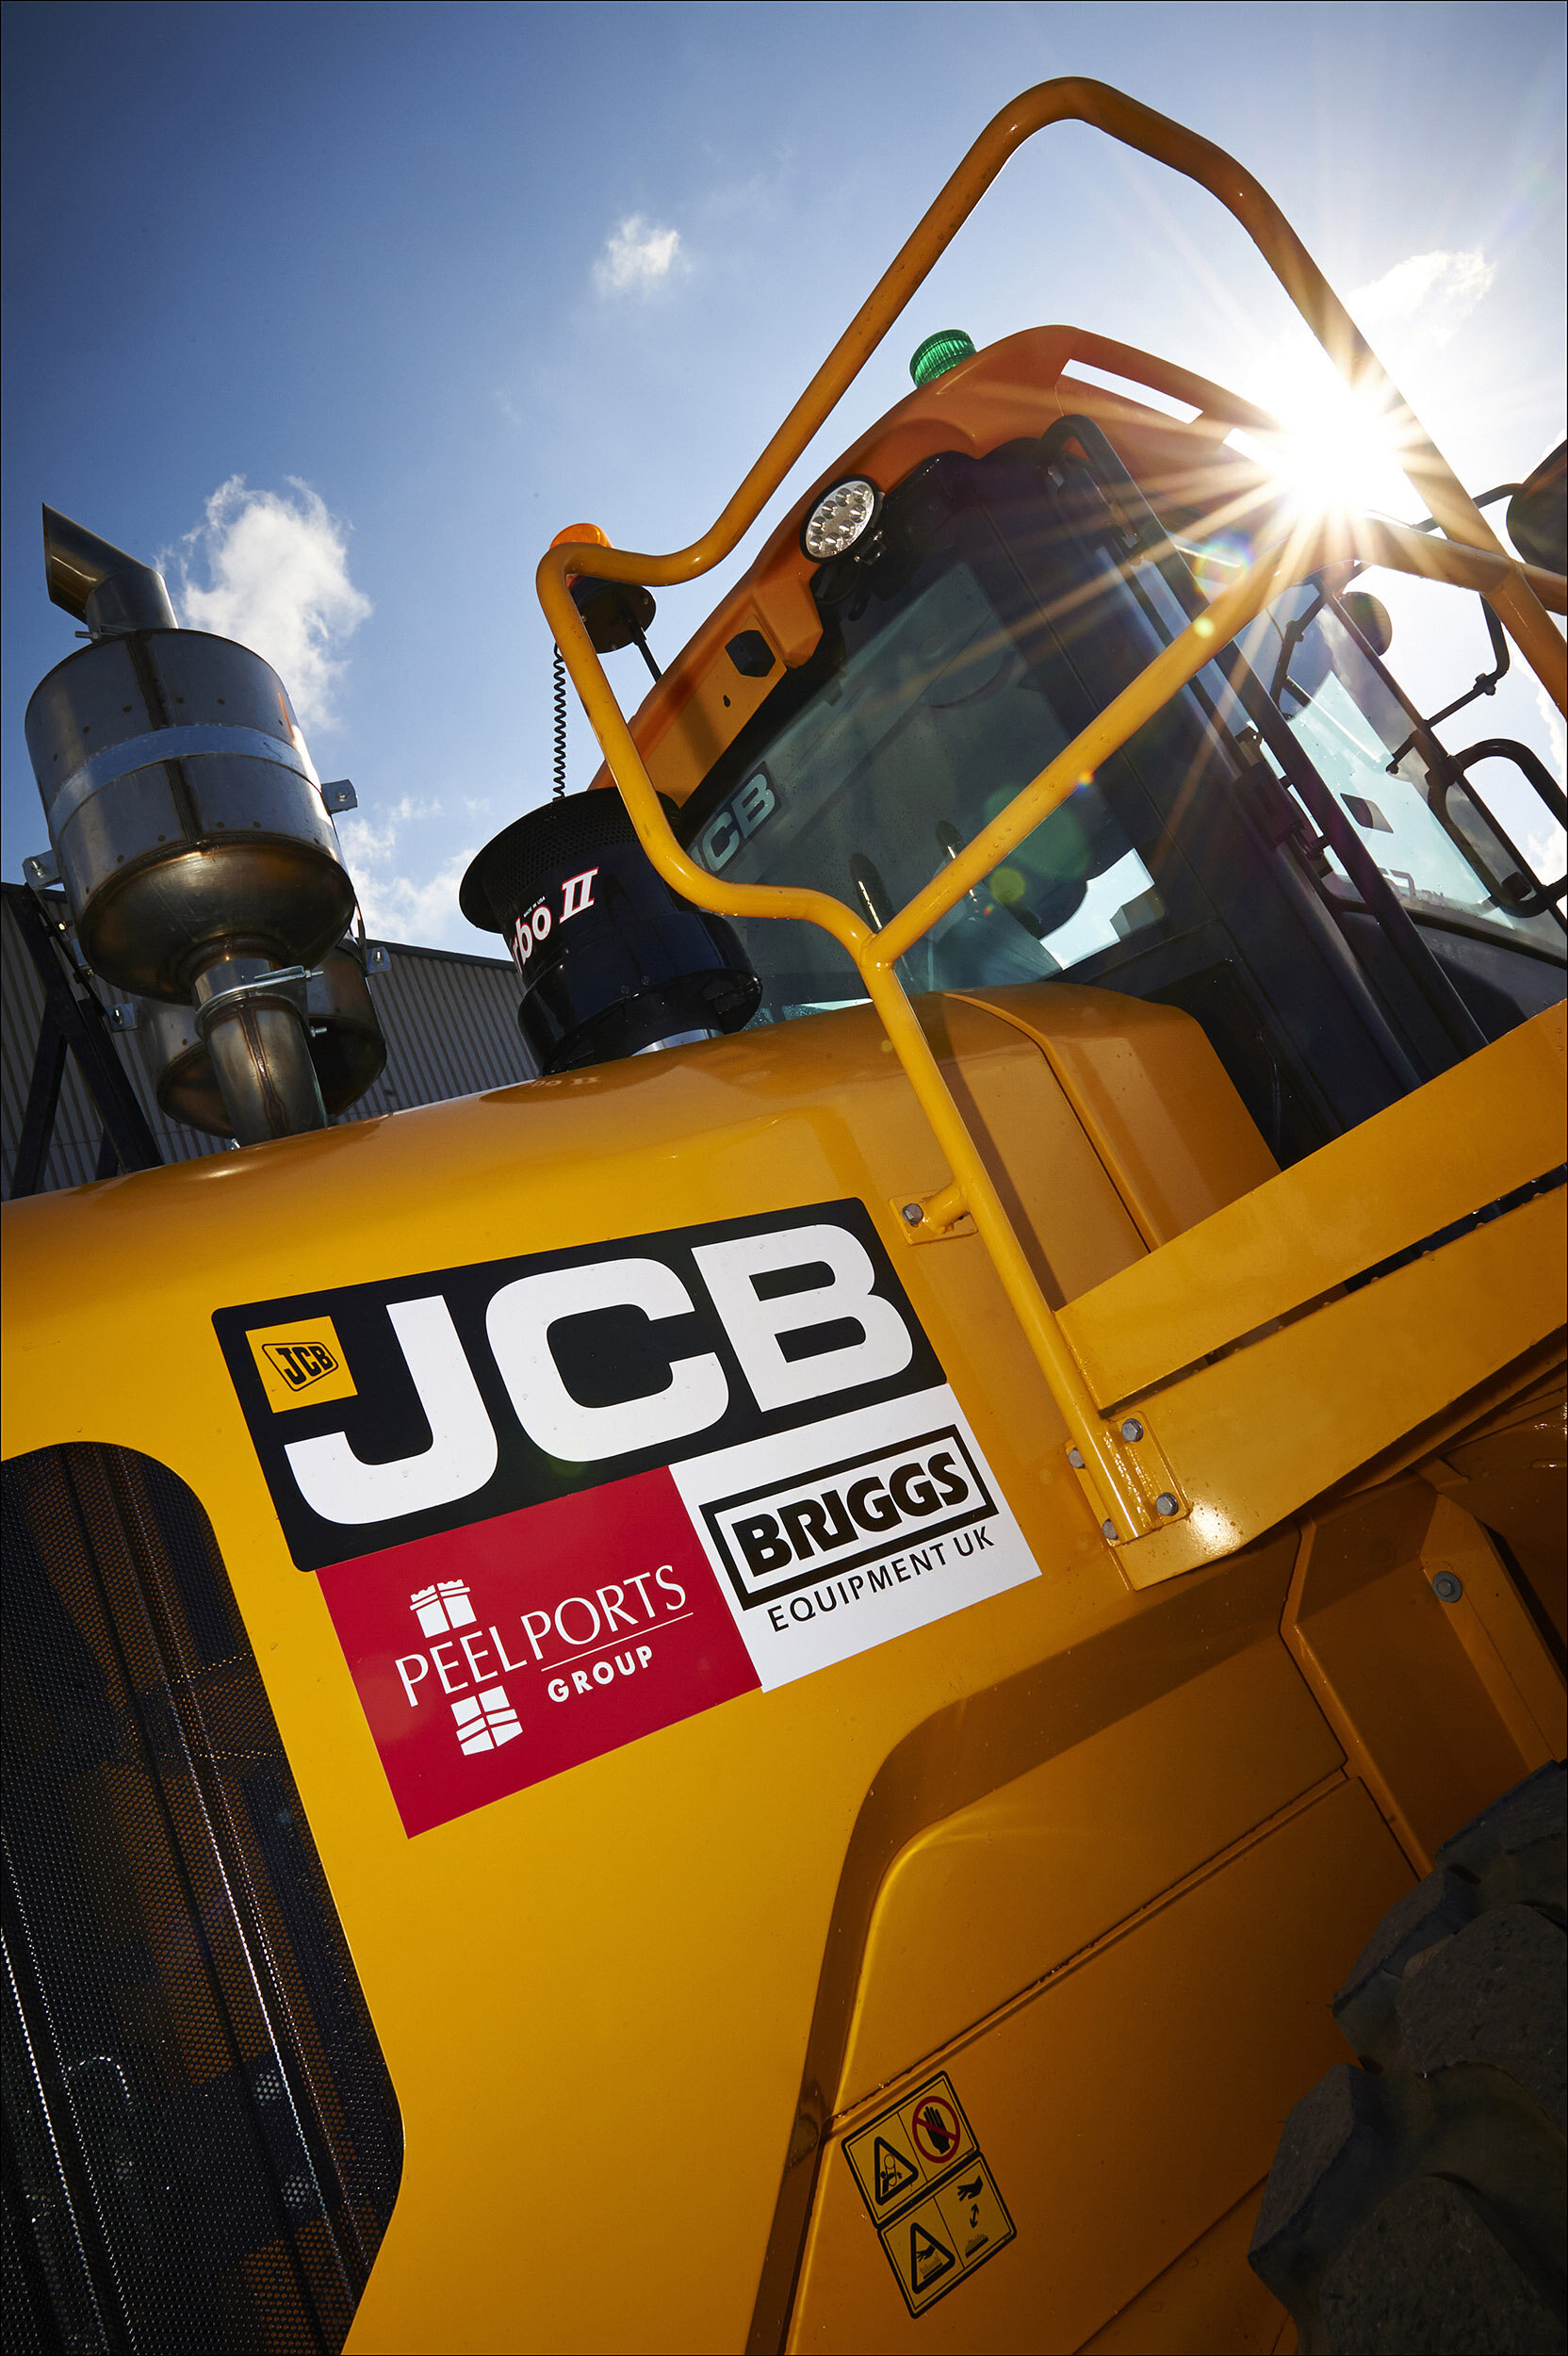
pixel 1075 1458
pixel 1132 1428
pixel 1448 1587
pixel 1165 1503
pixel 914 1215
pixel 1108 1529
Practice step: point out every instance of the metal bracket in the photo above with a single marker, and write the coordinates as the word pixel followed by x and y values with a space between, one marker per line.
pixel 339 795
pixel 377 960
pixel 289 984
pixel 77 1024
pixel 41 872
pixel 1131 1441
pixel 932 1217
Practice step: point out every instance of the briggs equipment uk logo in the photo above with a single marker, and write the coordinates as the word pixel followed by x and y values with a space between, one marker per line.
pixel 844 1516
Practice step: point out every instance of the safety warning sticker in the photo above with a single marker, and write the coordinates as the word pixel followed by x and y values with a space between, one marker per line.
pixel 558 1502
pixel 930 2193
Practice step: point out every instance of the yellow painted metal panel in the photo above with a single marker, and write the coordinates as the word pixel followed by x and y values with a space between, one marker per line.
pixel 997 1894
pixel 1155 1099
pixel 1062 1200
pixel 1423 1697
pixel 1491 1123
pixel 1511 1480
pixel 1263 1431
pixel 1209 2303
pixel 655 1936
pixel 1190 2034
pixel 1523 1683
pixel 638 1943
pixel 973 1746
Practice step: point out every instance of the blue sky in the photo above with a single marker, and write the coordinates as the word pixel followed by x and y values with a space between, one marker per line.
pixel 343 310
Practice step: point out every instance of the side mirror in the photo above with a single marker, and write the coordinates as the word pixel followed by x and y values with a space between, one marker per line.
pixel 1538 514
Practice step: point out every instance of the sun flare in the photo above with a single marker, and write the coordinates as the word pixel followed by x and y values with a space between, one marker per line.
pixel 1340 450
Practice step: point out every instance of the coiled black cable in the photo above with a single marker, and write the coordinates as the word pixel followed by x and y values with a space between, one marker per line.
pixel 560 724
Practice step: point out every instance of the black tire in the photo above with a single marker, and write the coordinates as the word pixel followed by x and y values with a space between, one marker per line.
pixel 1416 2202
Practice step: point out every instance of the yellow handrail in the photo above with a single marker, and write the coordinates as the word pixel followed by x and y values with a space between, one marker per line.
pixel 1127 1484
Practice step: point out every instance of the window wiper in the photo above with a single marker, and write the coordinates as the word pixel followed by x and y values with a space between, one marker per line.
pixel 875 897
pixel 952 842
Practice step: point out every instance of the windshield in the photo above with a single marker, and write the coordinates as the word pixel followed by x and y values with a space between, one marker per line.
pixel 940 690
pixel 999 604
pixel 1444 856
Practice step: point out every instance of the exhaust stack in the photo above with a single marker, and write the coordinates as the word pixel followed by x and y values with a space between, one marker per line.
pixel 98 582
pixel 188 826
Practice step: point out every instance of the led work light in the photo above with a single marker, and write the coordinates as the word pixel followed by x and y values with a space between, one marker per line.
pixel 841 518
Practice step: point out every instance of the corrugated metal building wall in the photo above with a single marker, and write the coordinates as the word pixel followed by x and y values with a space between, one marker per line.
pixel 451 1023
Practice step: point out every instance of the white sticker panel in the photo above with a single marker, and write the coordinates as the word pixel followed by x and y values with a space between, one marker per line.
pixel 839 1535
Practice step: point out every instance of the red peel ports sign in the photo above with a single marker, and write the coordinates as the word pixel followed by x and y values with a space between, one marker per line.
pixel 570 1628
pixel 558 1503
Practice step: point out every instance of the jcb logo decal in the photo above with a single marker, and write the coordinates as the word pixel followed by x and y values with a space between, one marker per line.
pixel 301 1361
pixel 484 1389
pixel 577 1497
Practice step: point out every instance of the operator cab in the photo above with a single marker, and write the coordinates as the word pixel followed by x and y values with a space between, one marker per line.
pixel 1285 851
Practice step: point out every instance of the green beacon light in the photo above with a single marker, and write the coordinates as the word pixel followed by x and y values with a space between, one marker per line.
pixel 940 352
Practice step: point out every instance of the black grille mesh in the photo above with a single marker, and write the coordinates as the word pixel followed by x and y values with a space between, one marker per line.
pixel 201 2144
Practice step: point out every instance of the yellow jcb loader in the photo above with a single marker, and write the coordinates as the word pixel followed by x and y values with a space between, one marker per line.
pixel 879 1666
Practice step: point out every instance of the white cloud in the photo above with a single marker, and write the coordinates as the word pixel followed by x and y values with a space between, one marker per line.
pixel 636 256
pixel 398 906
pixel 1547 851
pixel 1432 293
pixel 277 569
